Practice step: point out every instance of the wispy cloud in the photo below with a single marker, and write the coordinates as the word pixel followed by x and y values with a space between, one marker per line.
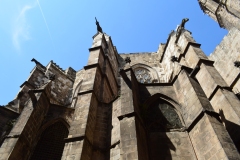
pixel 21 29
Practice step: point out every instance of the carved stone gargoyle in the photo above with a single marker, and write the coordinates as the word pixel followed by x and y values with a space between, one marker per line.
pixel 180 28
pixel 183 22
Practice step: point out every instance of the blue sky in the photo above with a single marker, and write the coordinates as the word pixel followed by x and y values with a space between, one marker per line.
pixel 62 31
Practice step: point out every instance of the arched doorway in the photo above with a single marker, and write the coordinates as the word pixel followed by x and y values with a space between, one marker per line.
pixel 51 143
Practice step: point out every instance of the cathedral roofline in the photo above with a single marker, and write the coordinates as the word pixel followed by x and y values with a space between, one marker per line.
pixel 137 53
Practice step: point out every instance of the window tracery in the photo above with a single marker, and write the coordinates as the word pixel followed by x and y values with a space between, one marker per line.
pixel 162 117
pixel 143 75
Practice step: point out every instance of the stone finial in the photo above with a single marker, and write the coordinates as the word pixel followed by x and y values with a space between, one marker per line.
pixel 99 28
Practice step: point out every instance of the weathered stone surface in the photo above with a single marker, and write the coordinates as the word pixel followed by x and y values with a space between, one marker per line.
pixel 129 148
pixel 214 79
pixel 225 54
pixel 226 13
pixel 191 98
pixel 211 141
pixel 171 145
pixel 175 103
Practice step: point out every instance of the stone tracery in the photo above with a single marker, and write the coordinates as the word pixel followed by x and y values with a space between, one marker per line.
pixel 162 117
pixel 143 75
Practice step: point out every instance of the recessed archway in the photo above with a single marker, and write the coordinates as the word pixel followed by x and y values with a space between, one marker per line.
pixel 51 142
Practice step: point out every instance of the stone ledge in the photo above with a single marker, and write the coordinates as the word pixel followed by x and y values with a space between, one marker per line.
pixel 186 49
pixel 75 138
pixel 199 117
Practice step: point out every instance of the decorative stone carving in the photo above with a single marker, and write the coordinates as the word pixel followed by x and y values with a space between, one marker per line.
pixel 128 60
pixel 180 28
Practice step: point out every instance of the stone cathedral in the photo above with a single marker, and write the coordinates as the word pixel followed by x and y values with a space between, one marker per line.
pixel 172 104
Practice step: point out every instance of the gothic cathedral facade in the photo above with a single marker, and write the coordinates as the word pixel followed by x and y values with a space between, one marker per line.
pixel 175 103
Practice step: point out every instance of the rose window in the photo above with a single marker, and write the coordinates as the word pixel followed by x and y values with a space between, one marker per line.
pixel 143 75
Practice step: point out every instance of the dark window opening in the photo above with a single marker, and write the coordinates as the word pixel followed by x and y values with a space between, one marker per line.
pixel 51 143
pixel 162 116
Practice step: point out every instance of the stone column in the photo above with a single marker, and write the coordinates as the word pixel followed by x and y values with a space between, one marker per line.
pixel 132 135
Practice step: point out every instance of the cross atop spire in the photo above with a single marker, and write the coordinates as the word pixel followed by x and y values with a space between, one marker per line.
pixel 99 28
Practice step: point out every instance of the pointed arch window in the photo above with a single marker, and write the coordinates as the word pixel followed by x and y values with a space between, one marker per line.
pixel 51 143
pixel 162 116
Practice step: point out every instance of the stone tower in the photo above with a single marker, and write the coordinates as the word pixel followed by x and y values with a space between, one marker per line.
pixel 225 12
pixel 175 103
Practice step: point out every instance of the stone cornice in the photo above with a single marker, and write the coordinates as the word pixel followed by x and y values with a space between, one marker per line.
pixel 27 84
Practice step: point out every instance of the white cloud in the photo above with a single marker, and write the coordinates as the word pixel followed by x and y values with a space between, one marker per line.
pixel 21 28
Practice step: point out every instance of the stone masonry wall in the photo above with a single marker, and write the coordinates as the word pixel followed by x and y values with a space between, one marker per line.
pixel 225 54
pixel 171 145
pixel 233 7
pixel 62 85
pixel 19 143
pixel 211 140
pixel 6 122
pixel 115 132
pixel 190 97
pixel 36 79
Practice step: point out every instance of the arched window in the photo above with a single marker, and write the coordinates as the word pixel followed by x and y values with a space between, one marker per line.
pixel 162 116
pixel 51 143
pixel 143 75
